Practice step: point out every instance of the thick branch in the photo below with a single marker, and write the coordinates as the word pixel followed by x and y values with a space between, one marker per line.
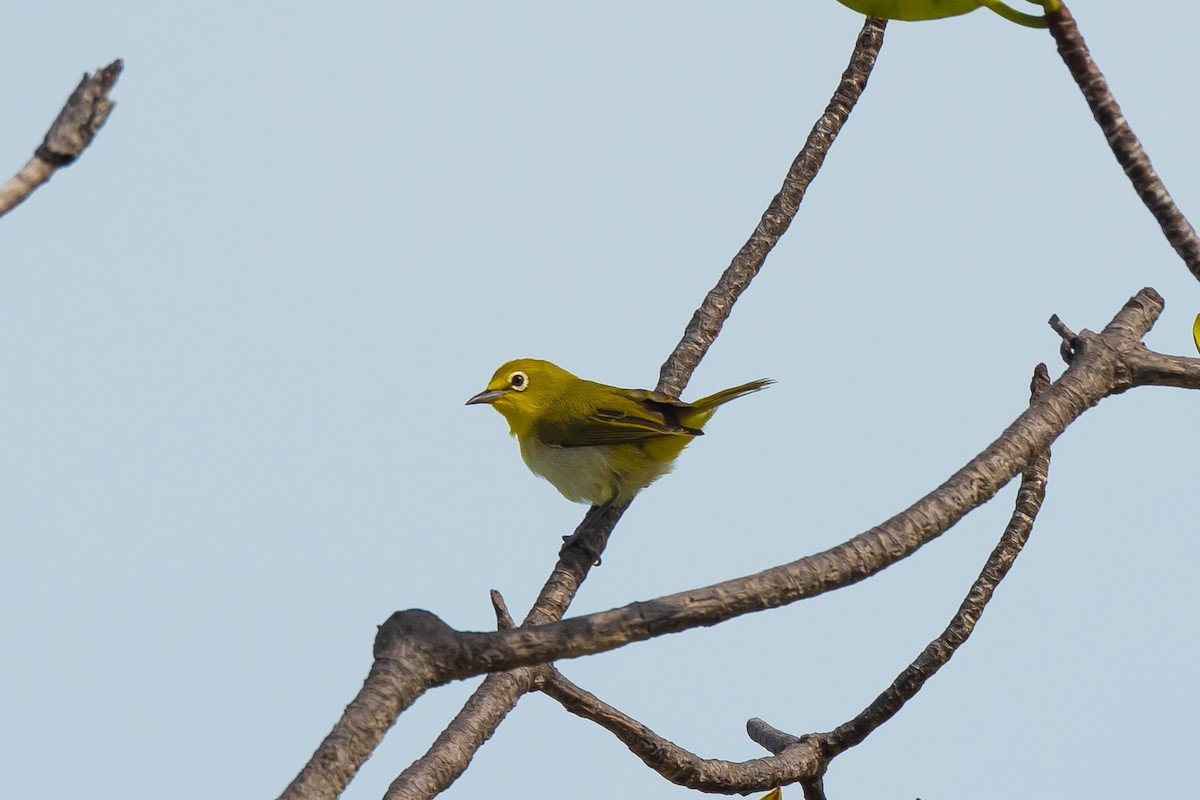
pixel 397 678
pixel 83 115
pixel 352 740
pixel 451 753
pixel 1122 140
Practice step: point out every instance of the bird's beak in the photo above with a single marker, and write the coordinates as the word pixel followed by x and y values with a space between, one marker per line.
pixel 486 397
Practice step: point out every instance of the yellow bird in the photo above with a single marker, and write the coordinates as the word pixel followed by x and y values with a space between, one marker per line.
pixel 596 443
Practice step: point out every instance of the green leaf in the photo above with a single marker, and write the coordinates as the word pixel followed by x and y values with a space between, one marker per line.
pixel 913 10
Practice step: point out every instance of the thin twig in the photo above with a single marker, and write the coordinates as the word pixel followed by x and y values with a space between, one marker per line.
pixel 85 112
pixel 768 737
pixel 1122 140
pixel 710 317
pixel 1066 348
pixel 504 620
pixel 1029 501
pixel 676 764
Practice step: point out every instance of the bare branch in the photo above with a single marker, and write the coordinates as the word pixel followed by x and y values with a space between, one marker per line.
pixel 1067 348
pixel 450 754
pixel 674 762
pixel 710 317
pixel 1155 369
pixel 83 115
pixel 448 757
pixel 814 789
pixel 1105 364
pixel 374 710
pixel 769 737
pixel 1122 140
pixel 504 620
pixel 397 678
pixel 805 759
pixel 415 650
pixel 1029 501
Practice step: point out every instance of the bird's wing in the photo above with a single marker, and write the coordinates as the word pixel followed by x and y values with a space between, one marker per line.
pixel 648 416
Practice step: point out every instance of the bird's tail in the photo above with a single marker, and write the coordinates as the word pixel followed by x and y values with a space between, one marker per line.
pixel 703 409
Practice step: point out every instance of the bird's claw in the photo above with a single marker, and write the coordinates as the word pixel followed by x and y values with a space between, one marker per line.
pixel 581 540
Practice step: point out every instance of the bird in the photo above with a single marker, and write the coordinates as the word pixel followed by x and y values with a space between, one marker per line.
pixel 596 443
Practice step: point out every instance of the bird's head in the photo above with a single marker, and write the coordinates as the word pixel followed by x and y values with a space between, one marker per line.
pixel 522 390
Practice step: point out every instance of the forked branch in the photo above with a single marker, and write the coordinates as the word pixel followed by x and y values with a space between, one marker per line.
pixel 804 759
pixel 1103 364
pixel 375 709
pixel 415 650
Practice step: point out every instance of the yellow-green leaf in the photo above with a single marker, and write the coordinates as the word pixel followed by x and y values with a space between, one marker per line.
pixel 914 10
pixel 1196 332
pixel 774 794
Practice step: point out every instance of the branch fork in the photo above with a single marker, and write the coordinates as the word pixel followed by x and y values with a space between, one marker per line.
pixel 416 651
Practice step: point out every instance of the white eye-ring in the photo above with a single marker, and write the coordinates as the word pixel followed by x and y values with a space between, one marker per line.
pixel 519 381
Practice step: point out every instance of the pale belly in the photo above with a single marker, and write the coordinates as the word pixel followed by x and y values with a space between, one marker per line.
pixel 594 474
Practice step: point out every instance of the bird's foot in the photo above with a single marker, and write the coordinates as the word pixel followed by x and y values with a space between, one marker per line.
pixel 580 539
pixel 583 537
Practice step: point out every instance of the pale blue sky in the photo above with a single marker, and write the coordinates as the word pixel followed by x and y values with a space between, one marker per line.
pixel 237 336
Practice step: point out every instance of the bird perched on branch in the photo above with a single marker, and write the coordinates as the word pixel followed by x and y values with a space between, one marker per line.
pixel 596 443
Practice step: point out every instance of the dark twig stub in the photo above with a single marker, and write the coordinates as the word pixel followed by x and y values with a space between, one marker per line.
pixel 84 114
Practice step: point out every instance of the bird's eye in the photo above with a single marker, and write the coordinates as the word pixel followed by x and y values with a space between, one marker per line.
pixel 518 381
